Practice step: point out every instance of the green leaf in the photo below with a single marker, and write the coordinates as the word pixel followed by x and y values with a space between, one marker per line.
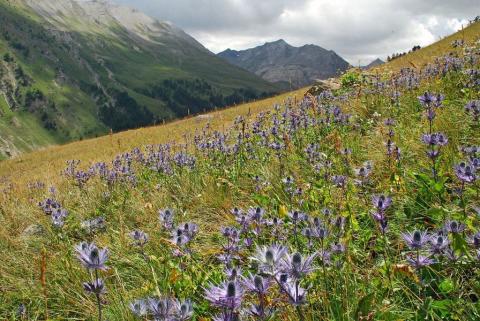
pixel 446 286
pixel 442 306
pixel 459 244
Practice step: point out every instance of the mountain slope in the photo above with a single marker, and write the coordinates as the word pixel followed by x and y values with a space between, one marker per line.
pixel 73 69
pixel 374 63
pixel 279 62
pixel 423 56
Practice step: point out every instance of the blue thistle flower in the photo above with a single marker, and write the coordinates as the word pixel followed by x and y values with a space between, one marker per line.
pixel 256 283
pixel 140 238
pixel 416 240
pixel 228 295
pixel 166 218
pixel 419 261
pixel 269 258
pixel 96 287
pixel 139 307
pixel 465 172
pixel 454 226
pixel 297 266
pixel 91 257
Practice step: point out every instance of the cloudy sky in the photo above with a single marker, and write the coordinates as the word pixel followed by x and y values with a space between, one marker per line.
pixel 358 30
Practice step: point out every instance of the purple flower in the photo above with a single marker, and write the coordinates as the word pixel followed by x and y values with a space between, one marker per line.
pixel 438 243
pixel 415 240
pixel 297 216
pixel 454 227
pixel 166 218
pixel 320 231
pixel 389 122
pixel 139 307
pixel 426 99
pixel 189 229
pixel 465 172
pixel 381 202
pixel 296 294
pixel 337 248
pixel 473 107
pixel 91 257
pixel 325 257
pixel 269 258
pixel 94 224
pixel 49 205
pixel 58 215
pixel 233 273
pixel 140 238
pixel 435 139
pixel 288 180
pixel 474 240
pixel 452 255
pixel 227 295
pixel 256 213
pixel 419 261
pixel 364 171
pixel 339 180
pixel 297 266
pixel 256 283
pixel 184 310
pixel 162 308
pixel 96 287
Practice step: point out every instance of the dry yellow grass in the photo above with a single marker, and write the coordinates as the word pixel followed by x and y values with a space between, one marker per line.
pixel 45 164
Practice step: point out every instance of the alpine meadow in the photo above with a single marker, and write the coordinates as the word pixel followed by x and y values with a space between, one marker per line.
pixel 144 177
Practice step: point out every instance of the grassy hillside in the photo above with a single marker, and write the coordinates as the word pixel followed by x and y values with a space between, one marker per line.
pixel 358 204
pixel 52 159
pixel 418 59
pixel 79 83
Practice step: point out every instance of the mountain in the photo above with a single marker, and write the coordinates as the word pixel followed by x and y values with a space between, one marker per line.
pixel 279 62
pixel 375 63
pixel 71 69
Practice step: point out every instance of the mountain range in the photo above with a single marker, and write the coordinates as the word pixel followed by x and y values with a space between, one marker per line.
pixel 71 69
pixel 289 66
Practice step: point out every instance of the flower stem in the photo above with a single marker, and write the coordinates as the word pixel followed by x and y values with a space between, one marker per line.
pixel 99 302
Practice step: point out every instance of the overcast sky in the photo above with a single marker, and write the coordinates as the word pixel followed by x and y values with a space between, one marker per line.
pixel 358 30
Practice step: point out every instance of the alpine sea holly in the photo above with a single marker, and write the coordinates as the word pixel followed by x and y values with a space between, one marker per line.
pixel 93 259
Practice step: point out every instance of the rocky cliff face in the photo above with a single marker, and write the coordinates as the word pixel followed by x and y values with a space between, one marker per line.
pixel 279 62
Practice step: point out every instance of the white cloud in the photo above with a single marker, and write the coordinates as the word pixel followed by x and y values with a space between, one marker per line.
pixel 359 30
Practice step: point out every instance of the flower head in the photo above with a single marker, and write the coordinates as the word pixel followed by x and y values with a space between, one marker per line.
pixel 435 139
pixel 438 243
pixel 256 283
pixel 139 307
pixel 96 287
pixel 454 227
pixel 465 172
pixel 269 258
pixel 166 218
pixel 297 266
pixel 381 202
pixel 416 240
pixel 91 257
pixel 162 308
pixel 296 294
pixel 420 261
pixel 226 295
pixel 140 238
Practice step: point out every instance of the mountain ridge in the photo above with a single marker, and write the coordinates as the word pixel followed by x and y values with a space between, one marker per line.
pixel 280 62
